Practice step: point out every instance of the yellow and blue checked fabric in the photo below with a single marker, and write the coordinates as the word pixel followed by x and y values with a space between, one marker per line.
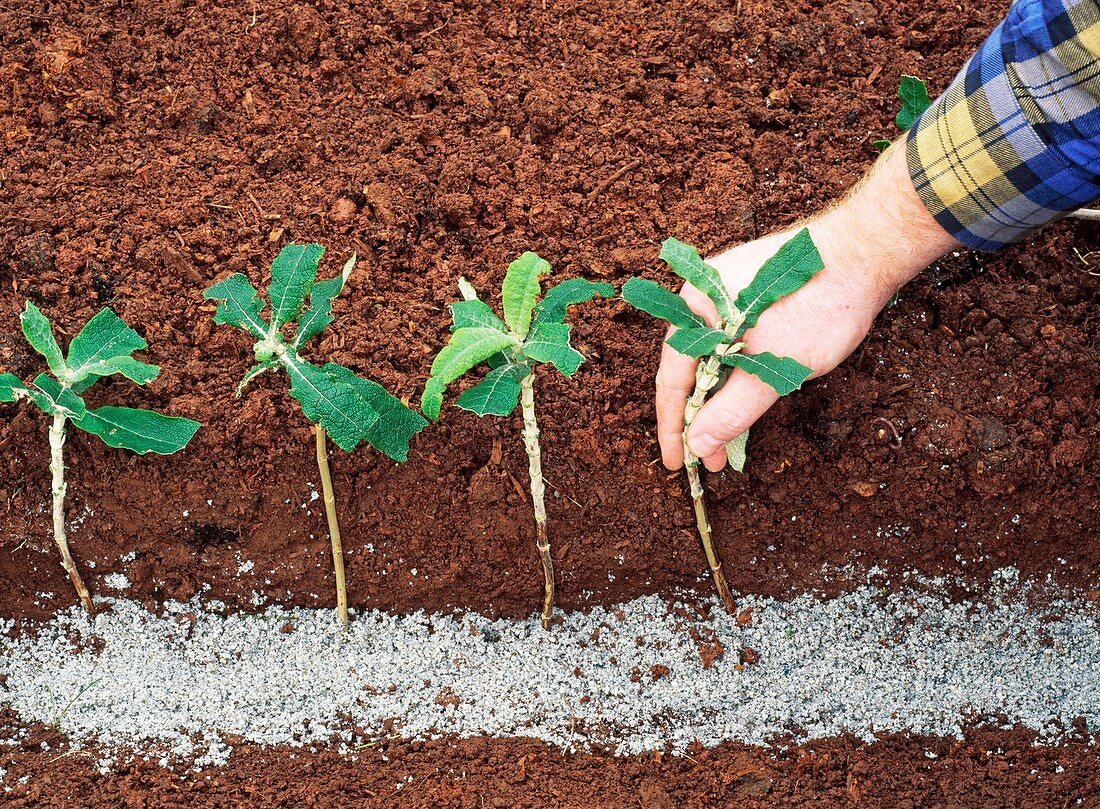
pixel 1014 142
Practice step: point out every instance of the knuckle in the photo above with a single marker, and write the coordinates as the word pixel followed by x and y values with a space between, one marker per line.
pixel 728 424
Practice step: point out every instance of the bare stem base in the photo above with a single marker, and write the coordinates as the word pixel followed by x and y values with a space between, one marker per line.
pixel 57 467
pixel 543 544
pixel 705 378
pixel 538 490
pixel 703 526
pixel 333 527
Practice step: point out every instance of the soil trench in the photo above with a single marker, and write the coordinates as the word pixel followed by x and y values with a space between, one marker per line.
pixel 150 149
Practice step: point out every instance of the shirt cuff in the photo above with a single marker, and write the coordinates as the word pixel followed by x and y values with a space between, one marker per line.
pixel 981 168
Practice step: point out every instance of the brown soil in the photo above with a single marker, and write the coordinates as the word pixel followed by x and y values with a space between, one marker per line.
pixel 989 770
pixel 151 148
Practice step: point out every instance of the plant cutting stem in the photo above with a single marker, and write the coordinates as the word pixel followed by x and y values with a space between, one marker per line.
pixel 333 527
pixel 706 377
pixel 538 489
pixel 57 467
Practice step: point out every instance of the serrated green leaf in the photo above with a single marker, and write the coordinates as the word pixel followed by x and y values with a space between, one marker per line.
pixel 335 406
pixel 784 374
pixel 319 313
pixel 104 337
pixel 475 314
pixel 84 384
pixel 37 330
pixel 52 398
pixel 497 394
pixel 254 372
pixel 241 305
pixel 736 451
pixel 654 299
pixel 684 260
pixel 555 304
pixel 11 388
pixel 520 290
pixel 395 424
pixel 136 371
pixel 697 343
pixel 292 274
pixel 549 342
pixel 914 100
pixel 141 431
pixel 795 263
pixel 501 358
pixel 467 348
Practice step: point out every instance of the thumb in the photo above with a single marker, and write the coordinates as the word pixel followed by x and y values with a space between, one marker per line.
pixel 728 413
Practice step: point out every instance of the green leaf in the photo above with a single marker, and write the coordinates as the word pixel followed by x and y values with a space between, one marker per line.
pixel 36 328
pixel 782 373
pixel 11 388
pixel 319 314
pixel 521 289
pixel 394 424
pixel 134 370
pixel 104 337
pixel 241 305
pixel 795 263
pixel 553 307
pixel 881 145
pixel 497 394
pixel 736 451
pixel 501 358
pixel 475 314
pixel 697 343
pixel 335 406
pixel 141 431
pixel 292 275
pixel 685 262
pixel 549 342
pixel 467 348
pixel 52 398
pixel 914 100
pixel 654 299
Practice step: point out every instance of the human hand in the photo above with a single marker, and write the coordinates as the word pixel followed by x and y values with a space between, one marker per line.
pixel 871 244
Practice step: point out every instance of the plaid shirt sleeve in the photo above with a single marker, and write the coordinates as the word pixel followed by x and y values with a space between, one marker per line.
pixel 1014 142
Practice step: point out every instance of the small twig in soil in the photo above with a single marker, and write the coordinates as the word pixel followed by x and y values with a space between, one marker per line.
pixel 562 492
pixel 1086 213
pixel 599 189
pixel 1087 259
pixel 893 429
pixel 435 30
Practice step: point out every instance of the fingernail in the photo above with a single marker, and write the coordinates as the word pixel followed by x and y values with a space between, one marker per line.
pixel 704 445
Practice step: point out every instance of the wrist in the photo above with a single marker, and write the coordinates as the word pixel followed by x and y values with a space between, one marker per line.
pixel 881 235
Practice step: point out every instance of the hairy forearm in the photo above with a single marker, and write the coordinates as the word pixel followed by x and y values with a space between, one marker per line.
pixel 880 235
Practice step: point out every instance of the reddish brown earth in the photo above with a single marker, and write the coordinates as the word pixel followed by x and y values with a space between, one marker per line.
pixel 987 770
pixel 151 148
